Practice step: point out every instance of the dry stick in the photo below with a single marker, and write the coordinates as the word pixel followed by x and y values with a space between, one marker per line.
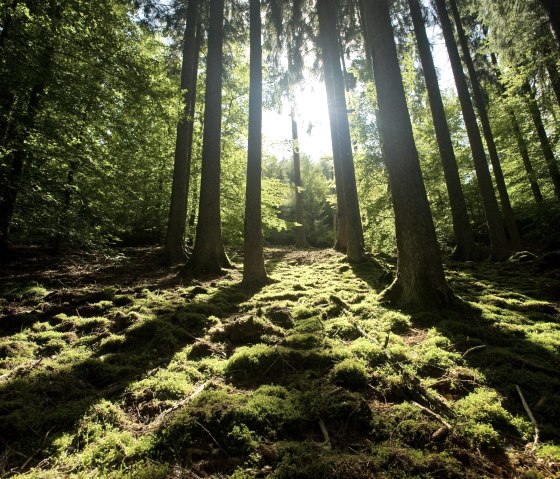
pixel 434 414
pixel 182 402
pixel 468 351
pixel 327 444
pixel 531 417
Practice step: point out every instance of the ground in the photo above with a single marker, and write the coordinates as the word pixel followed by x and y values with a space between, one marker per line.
pixel 112 366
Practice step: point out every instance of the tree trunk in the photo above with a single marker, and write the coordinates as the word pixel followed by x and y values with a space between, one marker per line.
pixel 420 281
pixel 253 259
pixel 175 240
pixel 341 242
pixel 301 241
pixel 546 147
pixel 209 254
pixel 464 238
pixel 552 70
pixel 511 224
pixel 552 8
pixel 337 108
pixel 519 138
pixel 498 241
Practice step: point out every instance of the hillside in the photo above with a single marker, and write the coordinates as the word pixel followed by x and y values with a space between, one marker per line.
pixel 111 366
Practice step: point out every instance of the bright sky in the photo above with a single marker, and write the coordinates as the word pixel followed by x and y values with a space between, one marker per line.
pixel 313 116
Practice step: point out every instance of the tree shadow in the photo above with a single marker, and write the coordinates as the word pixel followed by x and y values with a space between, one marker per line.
pixel 40 402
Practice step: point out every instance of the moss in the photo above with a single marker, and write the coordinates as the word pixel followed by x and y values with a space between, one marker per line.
pixel 365 349
pixel 395 322
pixel 351 374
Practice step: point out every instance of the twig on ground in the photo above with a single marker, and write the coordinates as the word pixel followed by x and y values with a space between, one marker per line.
pixel 531 417
pixel 327 444
pixel 434 414
pixel 475 348
pixel 182 402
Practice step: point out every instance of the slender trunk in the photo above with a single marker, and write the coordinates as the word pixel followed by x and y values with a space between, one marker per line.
pixel 552 8
pixel 498 241
pixel 301 240
pixel 507 210
pixel 420 281
pixel 543 138
pixel 253 259
pixel 552 70
pixel 175 240
pixel 340 229
pixel 464 238
pixel 209 253
pixel 519 138
pixel 337 108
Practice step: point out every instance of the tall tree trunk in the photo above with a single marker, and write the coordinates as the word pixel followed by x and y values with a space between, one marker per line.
pixel 519 138
pixel 498 241
pixel 420 281
pixel 552 8
pixel 337 108
pixel 546 147
pixel 552 70
pixel 209 254
pixel 341 242
pixel 509 217
pixel 175 240
pixel 301 240
pixel 464 238
pixel 253 259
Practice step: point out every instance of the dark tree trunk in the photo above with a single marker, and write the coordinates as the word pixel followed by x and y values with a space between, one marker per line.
pixel 175 240
pixel 420 281
pixel 498 240
pixel 341 242
pixel 552 8
pixel 337 108
pixel 464 238
pixel 301 241
pixel 519 138
pixel 546 147
pixel 209 253
pixel 509 217
pixel 552 70
pixel 253 259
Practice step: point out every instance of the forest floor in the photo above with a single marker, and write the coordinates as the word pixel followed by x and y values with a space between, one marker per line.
pixel 111 367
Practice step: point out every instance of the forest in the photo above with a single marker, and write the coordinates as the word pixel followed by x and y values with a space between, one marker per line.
pixel 285 239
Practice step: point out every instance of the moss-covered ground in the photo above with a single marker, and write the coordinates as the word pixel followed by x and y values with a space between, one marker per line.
pixel 111 367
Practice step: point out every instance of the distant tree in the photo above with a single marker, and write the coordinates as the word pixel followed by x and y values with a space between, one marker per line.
pixel 464 238
pixel 301 240
pixel 420 281
pixel 552 8
pixel 479 102
pixel 253 258
pixel 498 240
pixel 209 254
pixel 174 249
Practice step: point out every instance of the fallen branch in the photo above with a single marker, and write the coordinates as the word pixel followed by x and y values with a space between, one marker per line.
pixel 327 444
pixel 475 348
pixel 434 414
pixel 531 417
pixel 182 402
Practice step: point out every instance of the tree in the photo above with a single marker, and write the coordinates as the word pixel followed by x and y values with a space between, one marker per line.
pixel 509 217
pixel 301 240
pixel 338 112
pixel 174 249
pixel 546 146
pixel 209 254
pixel 552 8
pixel 420 281
pixel 253 258
pixel 498 241
pixel 464 238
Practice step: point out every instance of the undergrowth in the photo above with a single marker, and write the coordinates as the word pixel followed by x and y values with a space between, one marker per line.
pixel 134 375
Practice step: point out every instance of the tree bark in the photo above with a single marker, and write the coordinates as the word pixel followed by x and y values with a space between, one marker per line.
pixel 174 250
pixel 519 138
pixel 338 109
pixel 420 281
pixel 511 224
pixel 464 238
pixel 209 255
pixel 546 146
pixel 552 8
pixel 498 241
pixel 253 258
pixel 301 241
